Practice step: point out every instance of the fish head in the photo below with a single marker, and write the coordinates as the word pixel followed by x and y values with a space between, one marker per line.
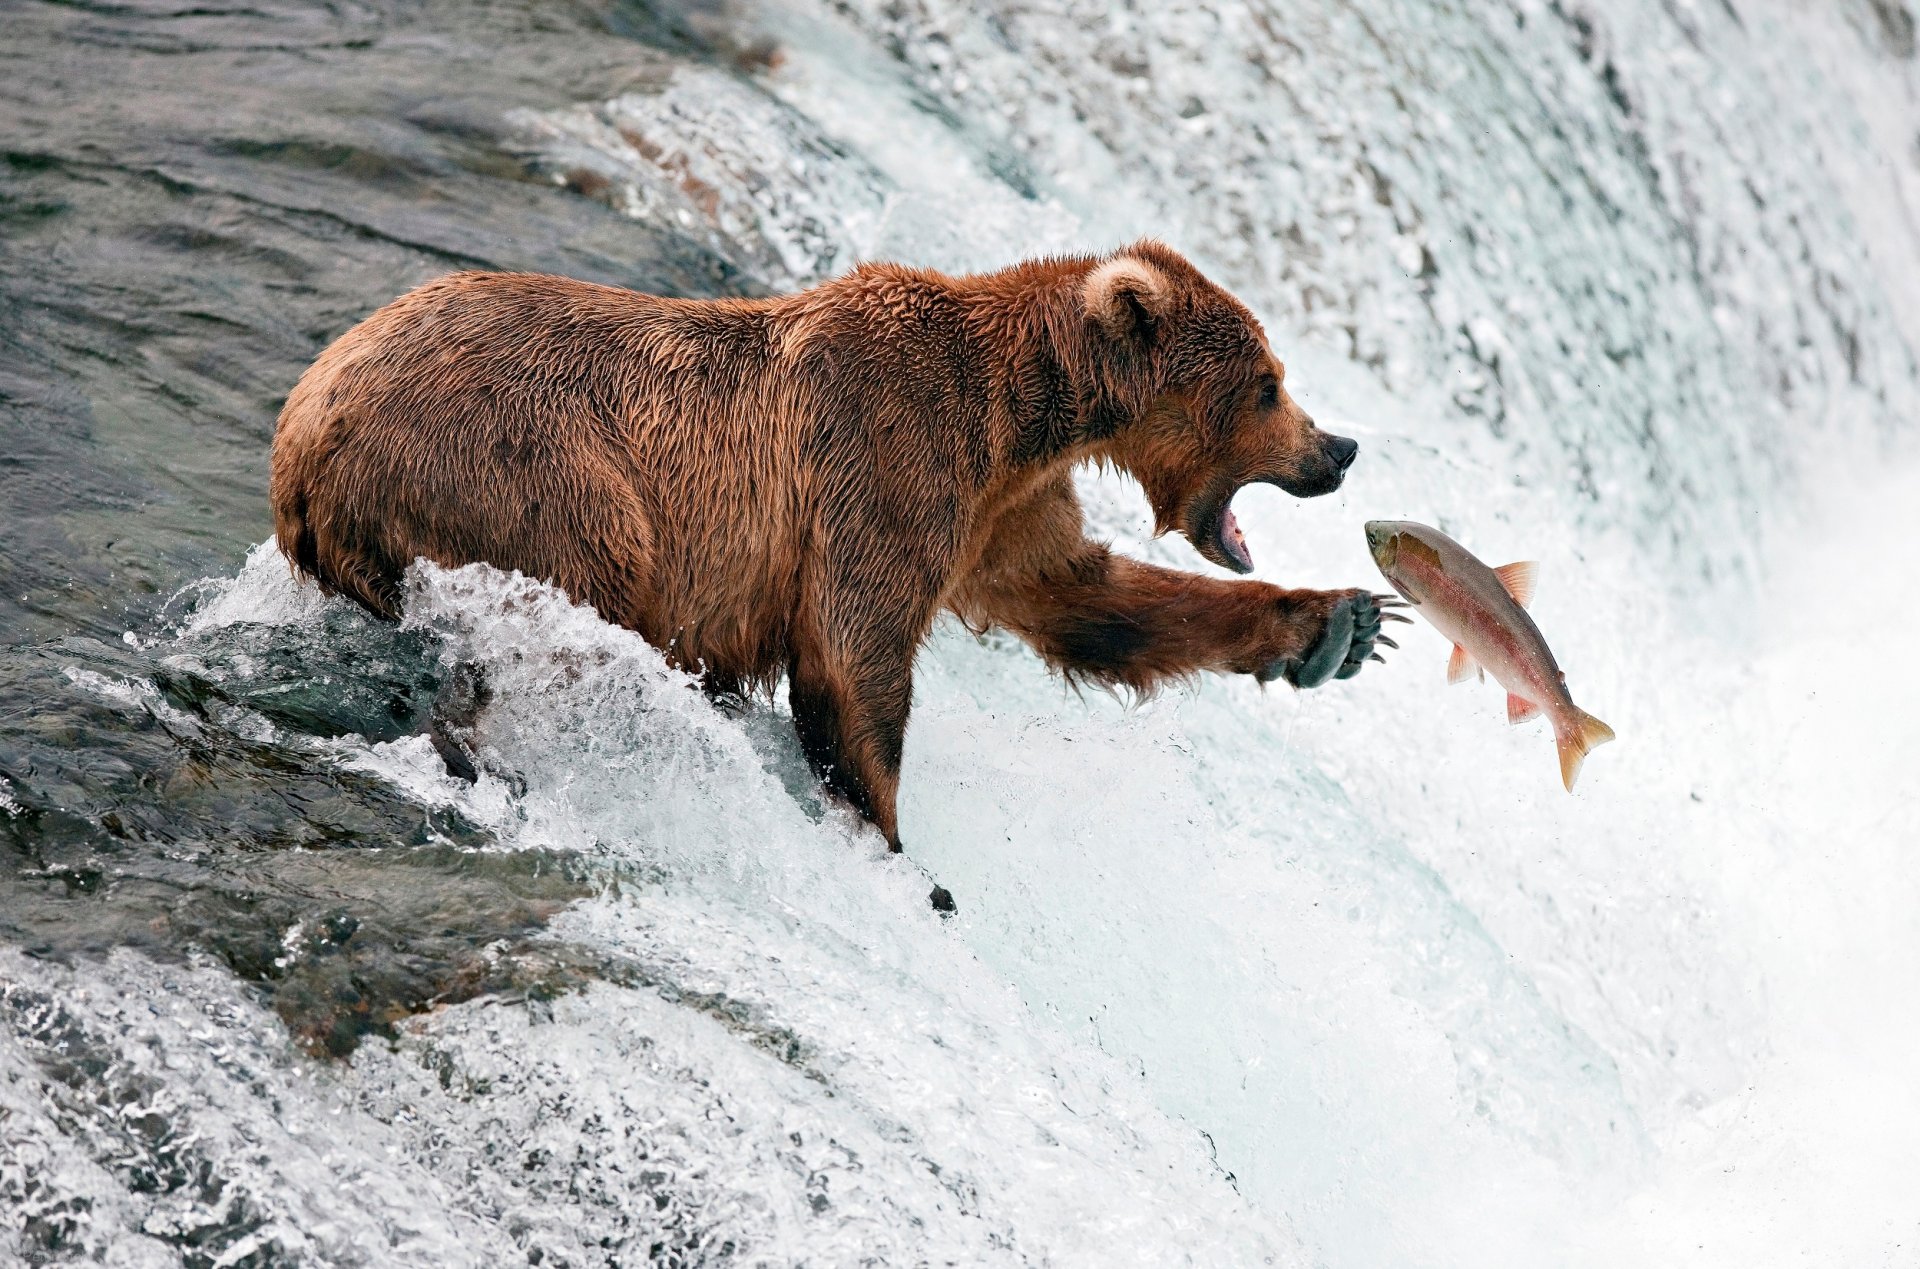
pixel 1403 553
pixel 1382 542
pixel 1219 418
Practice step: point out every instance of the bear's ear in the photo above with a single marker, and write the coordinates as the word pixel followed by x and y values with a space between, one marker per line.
pixel 1127 297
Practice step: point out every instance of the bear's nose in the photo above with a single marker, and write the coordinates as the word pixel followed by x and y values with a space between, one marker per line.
pixel 1342 450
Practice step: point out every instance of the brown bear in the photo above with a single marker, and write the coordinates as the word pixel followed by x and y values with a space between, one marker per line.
pixel 802 485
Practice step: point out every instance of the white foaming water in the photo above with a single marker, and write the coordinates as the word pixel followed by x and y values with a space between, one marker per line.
pixel 1239 976
pixel 801 1060
pixel 1444 1015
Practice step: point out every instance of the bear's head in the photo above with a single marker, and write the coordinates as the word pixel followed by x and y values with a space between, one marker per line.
pixel 1192 402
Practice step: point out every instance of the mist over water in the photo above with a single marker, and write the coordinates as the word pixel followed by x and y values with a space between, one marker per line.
pixel 1239 976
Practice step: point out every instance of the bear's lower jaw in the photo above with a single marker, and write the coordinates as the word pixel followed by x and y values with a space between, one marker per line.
pixel 1220 538
pixel 1232 542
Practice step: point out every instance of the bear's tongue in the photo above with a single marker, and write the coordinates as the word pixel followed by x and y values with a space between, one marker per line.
pixel 1234 542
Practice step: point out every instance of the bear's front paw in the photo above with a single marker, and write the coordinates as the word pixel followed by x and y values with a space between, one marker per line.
pixel 1348 632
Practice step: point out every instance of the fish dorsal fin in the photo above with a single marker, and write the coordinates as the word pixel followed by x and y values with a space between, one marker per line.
pixel 1461 666
pixel 1520 709
pixel 1519 578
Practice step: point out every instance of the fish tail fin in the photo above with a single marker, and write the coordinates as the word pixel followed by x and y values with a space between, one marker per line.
pixel 1583 733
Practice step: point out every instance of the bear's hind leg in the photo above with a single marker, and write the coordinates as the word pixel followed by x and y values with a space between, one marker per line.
pixel 456 709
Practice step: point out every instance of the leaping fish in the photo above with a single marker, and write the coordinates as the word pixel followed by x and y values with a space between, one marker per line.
pixel 1484 611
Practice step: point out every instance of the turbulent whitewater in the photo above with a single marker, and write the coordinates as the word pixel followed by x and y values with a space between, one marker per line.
pixel 1239 976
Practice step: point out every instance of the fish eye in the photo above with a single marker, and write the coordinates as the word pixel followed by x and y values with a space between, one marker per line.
pixel 1269 394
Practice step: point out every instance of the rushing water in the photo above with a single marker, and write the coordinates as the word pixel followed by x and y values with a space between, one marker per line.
pixel 1239 977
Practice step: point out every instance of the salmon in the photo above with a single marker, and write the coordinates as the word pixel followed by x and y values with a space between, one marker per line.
pixel 1484 611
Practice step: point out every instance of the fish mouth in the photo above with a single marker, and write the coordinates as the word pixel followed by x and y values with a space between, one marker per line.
pixel 1380 542
pixel 1217 535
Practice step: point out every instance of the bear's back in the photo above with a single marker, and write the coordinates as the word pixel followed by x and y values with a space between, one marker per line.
pixel 615 443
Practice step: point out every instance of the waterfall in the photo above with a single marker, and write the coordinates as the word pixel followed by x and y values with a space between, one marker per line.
pixel 1239 976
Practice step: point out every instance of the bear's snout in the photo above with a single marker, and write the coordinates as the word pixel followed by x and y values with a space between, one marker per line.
pixel 1342 450
pixel 1323 468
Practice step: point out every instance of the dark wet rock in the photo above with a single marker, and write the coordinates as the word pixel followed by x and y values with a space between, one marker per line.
pixel 146 812
pixel 348 673
pixel 433 926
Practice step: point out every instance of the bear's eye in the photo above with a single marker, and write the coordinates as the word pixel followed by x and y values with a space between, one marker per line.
pixel 1269 395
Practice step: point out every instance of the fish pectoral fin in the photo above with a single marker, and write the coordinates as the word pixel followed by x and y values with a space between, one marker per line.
pixel 1519 578
pixel 1461 666
pixel 1520 709
pixel 1584 733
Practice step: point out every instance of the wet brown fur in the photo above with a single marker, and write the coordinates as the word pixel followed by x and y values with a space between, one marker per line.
pixel 801 485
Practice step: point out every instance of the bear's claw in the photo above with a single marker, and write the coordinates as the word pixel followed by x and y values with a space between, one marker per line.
pixel 1346 644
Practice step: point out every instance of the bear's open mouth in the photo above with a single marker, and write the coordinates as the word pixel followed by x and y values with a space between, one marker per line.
pixel 1228 540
